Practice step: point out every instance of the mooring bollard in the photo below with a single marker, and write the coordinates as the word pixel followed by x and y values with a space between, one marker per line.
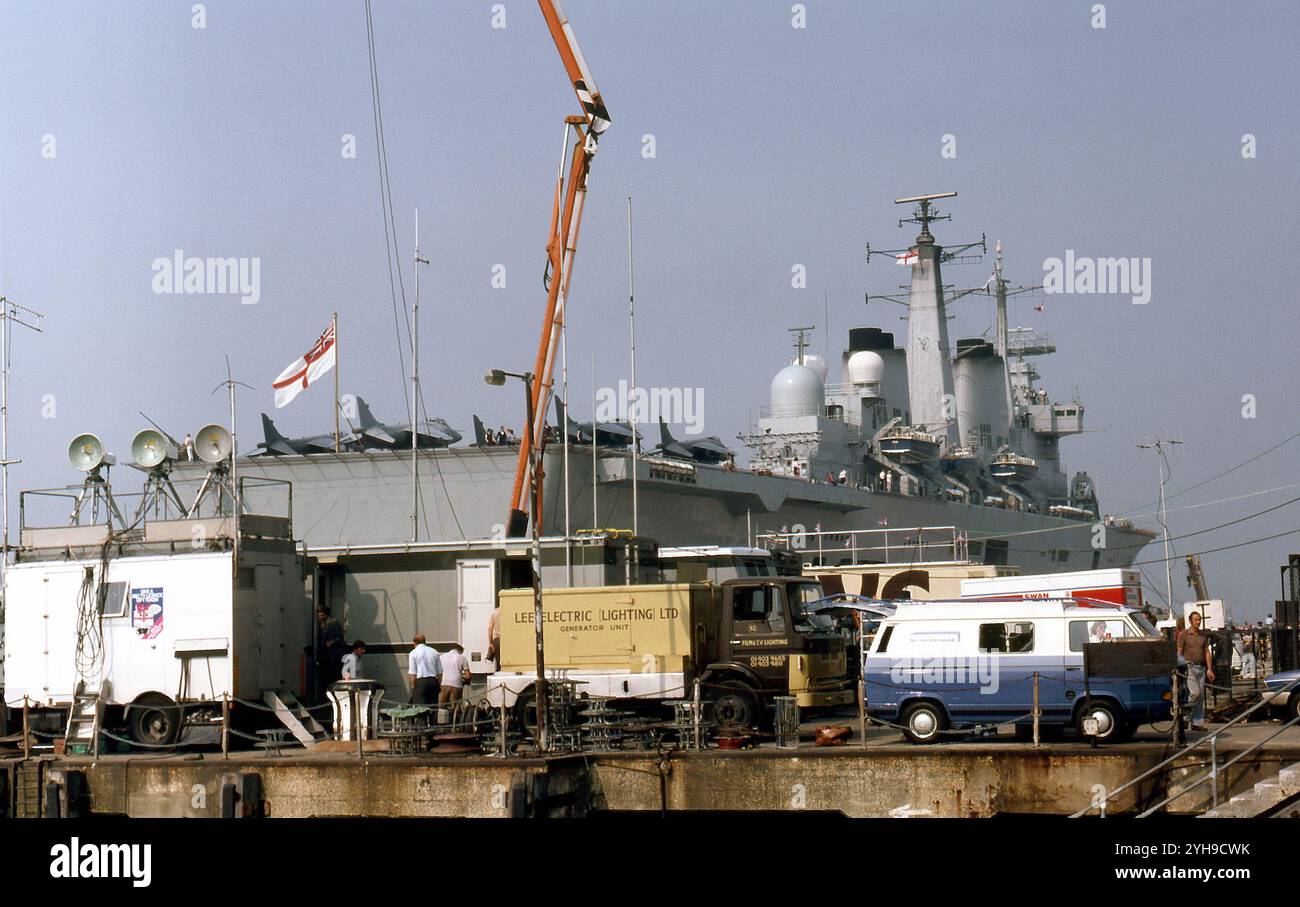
pixel 1037 711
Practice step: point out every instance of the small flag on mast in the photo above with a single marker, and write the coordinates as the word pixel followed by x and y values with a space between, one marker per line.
pixel 305 370
pixel 907 258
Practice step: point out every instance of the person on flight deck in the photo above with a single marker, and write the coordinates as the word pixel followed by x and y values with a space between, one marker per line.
pixel 352 662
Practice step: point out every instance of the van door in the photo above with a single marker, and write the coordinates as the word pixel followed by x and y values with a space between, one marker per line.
pixel 759 633
pixel 1010 652
pixel 476 594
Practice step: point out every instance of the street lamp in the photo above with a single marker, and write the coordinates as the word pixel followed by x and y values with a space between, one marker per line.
pixel 497 378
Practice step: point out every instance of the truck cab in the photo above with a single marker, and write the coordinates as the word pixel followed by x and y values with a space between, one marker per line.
pixel 763 644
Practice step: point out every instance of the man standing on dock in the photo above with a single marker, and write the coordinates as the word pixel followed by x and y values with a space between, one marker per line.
pixel 424 666
pixel 1194 647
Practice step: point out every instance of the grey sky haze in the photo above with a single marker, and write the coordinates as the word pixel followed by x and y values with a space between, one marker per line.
pixel 774 146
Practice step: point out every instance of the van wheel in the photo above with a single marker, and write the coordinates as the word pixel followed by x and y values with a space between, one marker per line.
pixel 735 707
pixel 922 722
pixel 155 720
pixel 1110 722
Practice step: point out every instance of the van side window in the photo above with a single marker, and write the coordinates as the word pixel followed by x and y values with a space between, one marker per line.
pixel 1007 636
pixel 1085 631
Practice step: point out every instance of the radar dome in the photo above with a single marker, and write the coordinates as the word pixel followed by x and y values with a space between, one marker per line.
pixel 797 390
pixel 817 364
pixel 866 368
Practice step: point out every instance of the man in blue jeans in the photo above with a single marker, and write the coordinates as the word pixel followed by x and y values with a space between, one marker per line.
pixel 1194 647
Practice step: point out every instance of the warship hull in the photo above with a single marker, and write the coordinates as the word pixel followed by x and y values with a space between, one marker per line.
pixel 356 499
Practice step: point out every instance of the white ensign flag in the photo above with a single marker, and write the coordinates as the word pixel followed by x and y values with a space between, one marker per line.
pixel 306 369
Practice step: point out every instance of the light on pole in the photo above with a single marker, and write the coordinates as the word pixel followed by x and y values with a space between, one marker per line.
pixel 497 378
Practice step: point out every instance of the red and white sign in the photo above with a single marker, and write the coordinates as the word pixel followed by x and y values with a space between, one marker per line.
pixel 1114 586
pixel 306 369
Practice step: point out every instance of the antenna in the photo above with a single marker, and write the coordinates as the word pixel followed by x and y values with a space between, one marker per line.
pixel 923 215
pixel 1158 444
pixel 415 389
pixel 801 341
pixel 31 319
pixel 631 317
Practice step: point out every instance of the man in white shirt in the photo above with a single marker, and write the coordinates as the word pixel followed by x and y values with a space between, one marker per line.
pixel 352 662
pixel 455 667
pixel 423 667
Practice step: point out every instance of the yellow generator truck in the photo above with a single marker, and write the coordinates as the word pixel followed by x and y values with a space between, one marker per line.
pixel 745 640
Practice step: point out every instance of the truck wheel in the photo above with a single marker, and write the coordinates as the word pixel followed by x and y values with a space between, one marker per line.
pixel 922 722
pixel 734 706
pixel 1110 722
pixel 155 720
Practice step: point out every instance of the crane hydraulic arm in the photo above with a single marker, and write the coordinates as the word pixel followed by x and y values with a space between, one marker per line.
pixel 561 247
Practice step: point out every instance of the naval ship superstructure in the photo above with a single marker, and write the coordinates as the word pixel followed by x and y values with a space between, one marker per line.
pixel 924 435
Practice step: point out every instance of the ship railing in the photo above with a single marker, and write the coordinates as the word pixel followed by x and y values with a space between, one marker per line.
pixel 885 545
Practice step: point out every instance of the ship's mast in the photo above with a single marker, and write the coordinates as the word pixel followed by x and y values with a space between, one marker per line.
pixel 9 311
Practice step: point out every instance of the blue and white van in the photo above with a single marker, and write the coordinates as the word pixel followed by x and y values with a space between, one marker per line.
pixel 938 666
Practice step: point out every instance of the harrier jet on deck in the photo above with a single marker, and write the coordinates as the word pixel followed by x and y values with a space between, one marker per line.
pixel 606 434
pixel 701 450
pixel 373 433
pixel 277 445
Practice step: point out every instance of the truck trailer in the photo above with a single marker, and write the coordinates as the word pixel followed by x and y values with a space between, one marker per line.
pixel 745 641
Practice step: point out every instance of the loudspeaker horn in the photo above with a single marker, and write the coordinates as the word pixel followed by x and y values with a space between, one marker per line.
pixel 86 452
pixel 151 448
pixel 212 443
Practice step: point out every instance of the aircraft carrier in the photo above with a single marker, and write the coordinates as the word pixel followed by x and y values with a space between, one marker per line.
pixel 910 435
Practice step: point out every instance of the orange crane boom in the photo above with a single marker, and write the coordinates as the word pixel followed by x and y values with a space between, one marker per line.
pixel 561 247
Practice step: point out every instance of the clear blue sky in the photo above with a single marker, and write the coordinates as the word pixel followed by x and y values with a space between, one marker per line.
pixel 775 146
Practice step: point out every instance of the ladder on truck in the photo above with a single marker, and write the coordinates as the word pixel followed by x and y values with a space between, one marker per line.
pixel 294 716
pixel 84 719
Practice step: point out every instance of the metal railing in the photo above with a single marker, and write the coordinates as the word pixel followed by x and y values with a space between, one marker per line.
pixel 903 545
pixel 1215 768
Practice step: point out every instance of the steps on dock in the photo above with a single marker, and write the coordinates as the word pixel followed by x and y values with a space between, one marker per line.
pixel 1260 799
pixel 294 716
pixel 83 721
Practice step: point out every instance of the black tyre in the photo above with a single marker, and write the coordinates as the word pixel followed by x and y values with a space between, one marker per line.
pixel 1111 721
pixel 923 722
pixel 734 706
pixel 526 711
pixel 155 720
